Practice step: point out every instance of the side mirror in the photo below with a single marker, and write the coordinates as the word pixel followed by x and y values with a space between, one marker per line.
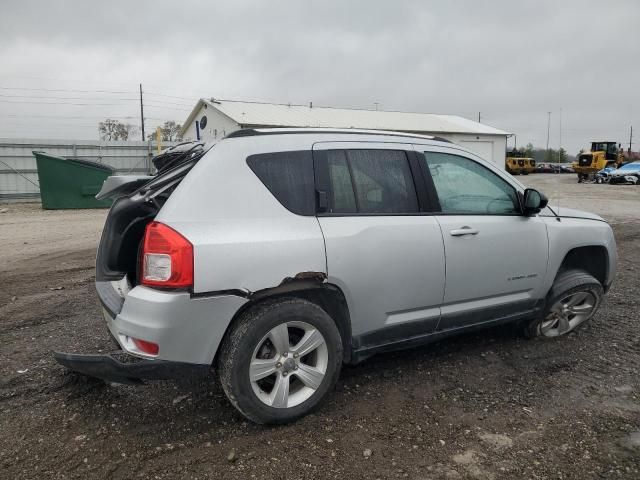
pixel 533 201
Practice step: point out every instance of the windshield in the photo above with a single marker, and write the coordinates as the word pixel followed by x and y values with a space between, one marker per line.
pixel 604 147
pixel 630 166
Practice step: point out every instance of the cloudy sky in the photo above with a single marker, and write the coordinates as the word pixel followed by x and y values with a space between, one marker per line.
pixel 66 65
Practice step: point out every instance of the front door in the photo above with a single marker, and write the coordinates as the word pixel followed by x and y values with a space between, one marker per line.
pixel 384 253
pixel 496 258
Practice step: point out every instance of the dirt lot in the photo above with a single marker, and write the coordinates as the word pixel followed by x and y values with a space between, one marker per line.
pixel 488 405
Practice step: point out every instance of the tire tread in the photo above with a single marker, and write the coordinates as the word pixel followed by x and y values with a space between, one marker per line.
pixel 232 346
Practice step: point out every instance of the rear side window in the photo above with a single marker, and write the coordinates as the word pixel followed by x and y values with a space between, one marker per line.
pixel 371 181
pixel 343 199
pixel 289 177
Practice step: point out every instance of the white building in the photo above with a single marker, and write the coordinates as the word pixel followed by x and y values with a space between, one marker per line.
pixel 213 119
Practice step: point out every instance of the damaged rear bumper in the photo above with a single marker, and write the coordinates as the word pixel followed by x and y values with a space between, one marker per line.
pixel 120 367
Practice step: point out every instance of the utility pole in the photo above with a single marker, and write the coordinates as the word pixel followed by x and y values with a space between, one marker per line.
pixel 141 113
pixel 630 138
pixel 560 146
pixel 548 131
pixel 376 104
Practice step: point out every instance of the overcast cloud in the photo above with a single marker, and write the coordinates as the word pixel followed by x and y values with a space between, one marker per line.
pixel 513 61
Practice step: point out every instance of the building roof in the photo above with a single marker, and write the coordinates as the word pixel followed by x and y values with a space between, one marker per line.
pixel 257 114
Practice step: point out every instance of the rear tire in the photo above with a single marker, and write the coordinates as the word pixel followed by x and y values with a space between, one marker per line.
pixel 279 360
pixel 573 300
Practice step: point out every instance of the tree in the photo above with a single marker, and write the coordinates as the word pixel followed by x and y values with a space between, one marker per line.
pixel 550 156
pixel 542 155
pixel 528 150
pixel 562 155
pixel 115 130
pixel 170 132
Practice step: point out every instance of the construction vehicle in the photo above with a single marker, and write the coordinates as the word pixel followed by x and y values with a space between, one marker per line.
pixel 601 155
pixel 516 163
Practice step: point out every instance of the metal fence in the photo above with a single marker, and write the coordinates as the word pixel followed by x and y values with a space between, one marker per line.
pixel 19 175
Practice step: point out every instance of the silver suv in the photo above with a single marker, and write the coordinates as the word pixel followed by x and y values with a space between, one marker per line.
pixel 275 256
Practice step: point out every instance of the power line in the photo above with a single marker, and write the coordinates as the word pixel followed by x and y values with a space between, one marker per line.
pixel 70 80
pixel 53 97
pixel 164 102
pixel 170 108
pixel 70 116
pixel 156 104
pixel 65 90
pixel 173 96
pixel 22 102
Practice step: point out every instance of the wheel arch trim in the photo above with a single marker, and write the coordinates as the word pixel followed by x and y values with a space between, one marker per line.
pixel 309 287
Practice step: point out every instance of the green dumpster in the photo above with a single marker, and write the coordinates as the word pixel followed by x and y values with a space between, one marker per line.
pixel 70 183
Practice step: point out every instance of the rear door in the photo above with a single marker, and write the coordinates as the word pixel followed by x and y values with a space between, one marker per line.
pixel 496 258
pixel 383 251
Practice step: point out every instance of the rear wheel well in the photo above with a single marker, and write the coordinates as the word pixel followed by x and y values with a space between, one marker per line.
pixel 592 259
pixel 328 297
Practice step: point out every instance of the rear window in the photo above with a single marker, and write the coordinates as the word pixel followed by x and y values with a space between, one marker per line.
pixel 289 177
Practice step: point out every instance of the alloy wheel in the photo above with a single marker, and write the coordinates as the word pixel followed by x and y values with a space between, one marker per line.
pixel 289 364
pixel 569 312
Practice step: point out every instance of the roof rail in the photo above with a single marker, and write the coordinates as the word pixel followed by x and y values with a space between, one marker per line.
pixel 252 132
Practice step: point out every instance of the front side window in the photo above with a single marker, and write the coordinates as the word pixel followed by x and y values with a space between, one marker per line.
pixel 370 182
pixel 466 187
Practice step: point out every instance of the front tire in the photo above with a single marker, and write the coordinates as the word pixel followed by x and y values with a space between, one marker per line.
pixel 279 360
pixel 573 300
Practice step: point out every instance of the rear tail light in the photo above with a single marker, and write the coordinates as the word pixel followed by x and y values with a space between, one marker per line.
pixel 167 258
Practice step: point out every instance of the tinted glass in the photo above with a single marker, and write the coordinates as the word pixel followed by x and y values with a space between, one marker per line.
pixel 382 181
pixel 342 198
pixel 289 177
pixel 466 187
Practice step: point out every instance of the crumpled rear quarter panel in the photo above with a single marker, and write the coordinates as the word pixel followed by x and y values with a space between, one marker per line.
pixel 243 237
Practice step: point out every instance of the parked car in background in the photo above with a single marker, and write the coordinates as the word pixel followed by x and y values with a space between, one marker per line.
pixel 566 168
pixel 277 255
pixel 603 175
pixel 547 168
pixel 628 173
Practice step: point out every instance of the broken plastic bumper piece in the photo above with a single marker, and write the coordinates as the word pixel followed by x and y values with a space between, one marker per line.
pixel 120 367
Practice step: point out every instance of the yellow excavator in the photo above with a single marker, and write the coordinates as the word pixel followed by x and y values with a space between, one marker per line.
pixel 601 155
pixel 516 163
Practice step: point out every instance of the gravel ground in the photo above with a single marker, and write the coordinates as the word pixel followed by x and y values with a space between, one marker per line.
pixel 490 405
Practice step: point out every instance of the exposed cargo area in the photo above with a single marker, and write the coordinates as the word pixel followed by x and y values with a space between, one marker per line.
pixel 137 201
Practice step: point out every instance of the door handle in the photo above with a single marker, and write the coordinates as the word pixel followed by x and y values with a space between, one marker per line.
pixel 463 231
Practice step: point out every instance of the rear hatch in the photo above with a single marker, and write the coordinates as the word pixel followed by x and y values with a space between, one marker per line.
pixel 137 202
